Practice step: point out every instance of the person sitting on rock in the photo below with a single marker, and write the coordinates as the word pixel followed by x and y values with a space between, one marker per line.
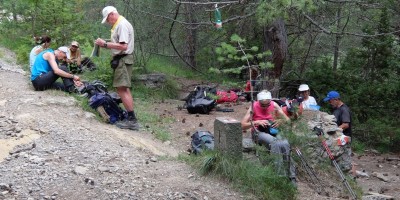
pixel 261 117
pixel 46 71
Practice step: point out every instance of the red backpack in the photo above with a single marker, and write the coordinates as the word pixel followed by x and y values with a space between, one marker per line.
pixel 224 96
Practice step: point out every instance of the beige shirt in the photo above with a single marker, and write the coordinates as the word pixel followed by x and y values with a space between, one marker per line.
pixel 123 32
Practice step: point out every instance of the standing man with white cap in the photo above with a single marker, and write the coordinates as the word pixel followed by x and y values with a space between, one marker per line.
pixel 121 46
pixel 307 99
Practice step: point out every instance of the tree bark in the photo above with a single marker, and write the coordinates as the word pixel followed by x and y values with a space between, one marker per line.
pixel 191 37
pixel 275 40
pixel 337 40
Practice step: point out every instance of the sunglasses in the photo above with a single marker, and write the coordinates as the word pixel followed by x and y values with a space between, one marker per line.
pixel 264 105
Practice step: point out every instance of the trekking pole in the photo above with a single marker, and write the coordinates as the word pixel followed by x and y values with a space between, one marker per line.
pixel 309 170
pixel 344 180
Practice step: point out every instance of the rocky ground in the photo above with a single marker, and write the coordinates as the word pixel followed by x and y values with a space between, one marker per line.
pixel 50 148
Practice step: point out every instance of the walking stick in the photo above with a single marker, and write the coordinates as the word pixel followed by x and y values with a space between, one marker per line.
pixel 309 170
pixel 343 178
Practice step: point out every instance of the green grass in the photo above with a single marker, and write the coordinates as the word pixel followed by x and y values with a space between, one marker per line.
pixel 259 181
pixel 153 123
pixel 158 64
pixel 358 147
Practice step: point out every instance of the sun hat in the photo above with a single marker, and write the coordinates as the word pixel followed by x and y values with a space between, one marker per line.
pixel 65 50
pixel 303 87
pixel 332 95
pixel 74 43
pixel 106 11
pixel 264 95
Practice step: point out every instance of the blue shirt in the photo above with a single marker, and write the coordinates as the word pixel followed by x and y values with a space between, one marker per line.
pixel 40 66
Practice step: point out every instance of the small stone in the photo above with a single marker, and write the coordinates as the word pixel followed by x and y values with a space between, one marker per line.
pixel 80 170
pixel 103 169
pixel 153 159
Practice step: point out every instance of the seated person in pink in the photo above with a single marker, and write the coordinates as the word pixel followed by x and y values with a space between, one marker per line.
pixel 263 116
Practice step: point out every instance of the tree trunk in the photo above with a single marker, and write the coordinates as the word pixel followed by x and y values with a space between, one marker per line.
pixel 191 37
pixel 275 40
pixel 337 40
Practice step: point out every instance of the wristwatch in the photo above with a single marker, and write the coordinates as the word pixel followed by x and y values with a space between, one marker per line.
pixel 105 45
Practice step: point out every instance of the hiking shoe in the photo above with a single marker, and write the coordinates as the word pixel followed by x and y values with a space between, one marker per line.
pixel 128 124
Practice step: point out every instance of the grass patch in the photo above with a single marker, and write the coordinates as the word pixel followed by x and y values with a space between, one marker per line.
pixel 152 122
pixel 358 147
pixel 158 64
pixel 261 181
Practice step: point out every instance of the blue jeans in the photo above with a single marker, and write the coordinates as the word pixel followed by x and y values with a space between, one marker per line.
pixel 48 81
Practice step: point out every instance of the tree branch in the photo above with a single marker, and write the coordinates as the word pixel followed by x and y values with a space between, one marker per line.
pixel 329 32
pixel 197 24
pixel 173 45
pixel 206 3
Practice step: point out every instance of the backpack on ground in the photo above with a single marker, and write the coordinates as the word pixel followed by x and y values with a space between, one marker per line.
pixel 224 96
pixel 108 107
pixel 92 88
pixel 202 140
pixel 107 104
pixel 199 100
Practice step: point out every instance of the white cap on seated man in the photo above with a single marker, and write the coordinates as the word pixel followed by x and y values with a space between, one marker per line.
pixel 264 95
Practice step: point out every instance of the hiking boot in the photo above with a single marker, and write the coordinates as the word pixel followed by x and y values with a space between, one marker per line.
pixel 128 124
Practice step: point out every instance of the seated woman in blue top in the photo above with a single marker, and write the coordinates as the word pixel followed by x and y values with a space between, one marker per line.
pixel 46 71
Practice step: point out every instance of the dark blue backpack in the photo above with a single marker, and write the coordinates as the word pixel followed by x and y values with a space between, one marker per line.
pixel 113 110
pixel 202 140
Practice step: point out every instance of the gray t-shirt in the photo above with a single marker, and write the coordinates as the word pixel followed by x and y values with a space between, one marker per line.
pixel 123 33
pixel 343 115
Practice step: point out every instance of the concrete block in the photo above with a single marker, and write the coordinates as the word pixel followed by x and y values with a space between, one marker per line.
pixel 228 136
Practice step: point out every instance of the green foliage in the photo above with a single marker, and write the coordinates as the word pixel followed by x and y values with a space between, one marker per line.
pixel 236 57
pixel 368 82
pixel 358 147
pixel 261 181
pixel 270 10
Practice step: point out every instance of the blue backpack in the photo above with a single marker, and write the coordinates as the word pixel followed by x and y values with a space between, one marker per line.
pixel 202 140
pixel 113 110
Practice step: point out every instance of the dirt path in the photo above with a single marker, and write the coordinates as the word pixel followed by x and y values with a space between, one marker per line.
pixel 51 149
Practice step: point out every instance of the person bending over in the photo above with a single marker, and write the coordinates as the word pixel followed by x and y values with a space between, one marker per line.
pixel 46 71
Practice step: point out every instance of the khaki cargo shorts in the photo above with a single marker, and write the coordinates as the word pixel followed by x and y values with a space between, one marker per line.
pixel 123 73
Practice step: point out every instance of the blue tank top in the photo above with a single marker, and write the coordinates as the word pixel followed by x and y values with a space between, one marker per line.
pixel 41 66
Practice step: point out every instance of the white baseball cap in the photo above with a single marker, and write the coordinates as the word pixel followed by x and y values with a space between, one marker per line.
pixel 303 87
pixel 264 95
pixel 106 11
pixel 65 50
